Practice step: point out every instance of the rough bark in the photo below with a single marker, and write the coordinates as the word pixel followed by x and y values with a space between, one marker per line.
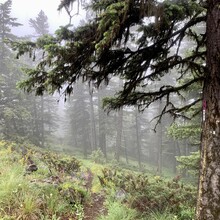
pixel 208 204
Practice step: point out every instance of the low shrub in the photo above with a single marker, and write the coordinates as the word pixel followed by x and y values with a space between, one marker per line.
pixel 117 210
pixel 152 194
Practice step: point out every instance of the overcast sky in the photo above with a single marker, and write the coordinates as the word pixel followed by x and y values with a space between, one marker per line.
pixel 26 9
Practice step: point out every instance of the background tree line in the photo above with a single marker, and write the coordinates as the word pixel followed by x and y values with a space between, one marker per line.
pixel 82 123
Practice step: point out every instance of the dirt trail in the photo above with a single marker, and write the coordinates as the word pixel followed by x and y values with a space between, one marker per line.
pixel 95 206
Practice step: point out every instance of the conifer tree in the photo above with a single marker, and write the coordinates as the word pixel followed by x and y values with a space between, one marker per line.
pixel 101 49
pixel 40 24
pixel 14 116
pixel 43 108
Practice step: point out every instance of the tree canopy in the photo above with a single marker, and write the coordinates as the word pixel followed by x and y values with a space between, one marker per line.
pixel 136 40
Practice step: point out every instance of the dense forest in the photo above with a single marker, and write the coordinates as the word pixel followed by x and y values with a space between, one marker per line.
pixel 117 109
pixel 80 124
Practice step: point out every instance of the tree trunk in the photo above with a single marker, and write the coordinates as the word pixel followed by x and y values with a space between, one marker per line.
pixel 36 133
pixel 85 145
pixel 174 157
pixel 119 134
pixel 92 118
pixel 42 122
pixel 208 202
pixel 102 128
pixel 74 138
pixel 138 138
pixel 186 153
pixel 159 146
pixel 125 147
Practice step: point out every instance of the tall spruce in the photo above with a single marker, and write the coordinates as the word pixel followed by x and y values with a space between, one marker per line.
pixel 43 108
pixel 79 124
pixel 14 116
pixel 104 42
pixel 40 24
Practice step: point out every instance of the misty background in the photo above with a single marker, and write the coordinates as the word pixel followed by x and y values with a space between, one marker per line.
pixel 79 124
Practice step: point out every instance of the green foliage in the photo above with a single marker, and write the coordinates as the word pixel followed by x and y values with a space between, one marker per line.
pixel 187 131
pixel 6 21
pixel 190 163
pixel 162 216
pixel 54 202
pixel 179 10
pixel 19 113
pixel 35 196
pixel 190 133
pixel 74 193
pixel 56 163
pixel 79 211
pixel 117 210
pixel 79 53
pixel 12 183
pixel 97 156
pixel 145 194
pixel 110 21
pixel 64 194
pixel 124 180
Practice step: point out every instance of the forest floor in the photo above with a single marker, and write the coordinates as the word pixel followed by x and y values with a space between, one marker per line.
pixel 42 185
pixel 95 207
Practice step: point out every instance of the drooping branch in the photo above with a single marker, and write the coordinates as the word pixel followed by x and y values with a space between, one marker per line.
pixel 102 49
pixel 145 99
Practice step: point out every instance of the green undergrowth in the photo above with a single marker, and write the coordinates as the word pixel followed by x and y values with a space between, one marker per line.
pixel 54 191
pixel 63 187
pixel 149 195
pixel 117 210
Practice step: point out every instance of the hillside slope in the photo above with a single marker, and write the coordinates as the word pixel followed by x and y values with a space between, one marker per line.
pixel 36 184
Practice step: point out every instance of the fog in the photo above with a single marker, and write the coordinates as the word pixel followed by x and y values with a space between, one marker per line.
pixel 80 125
pixel 23 10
